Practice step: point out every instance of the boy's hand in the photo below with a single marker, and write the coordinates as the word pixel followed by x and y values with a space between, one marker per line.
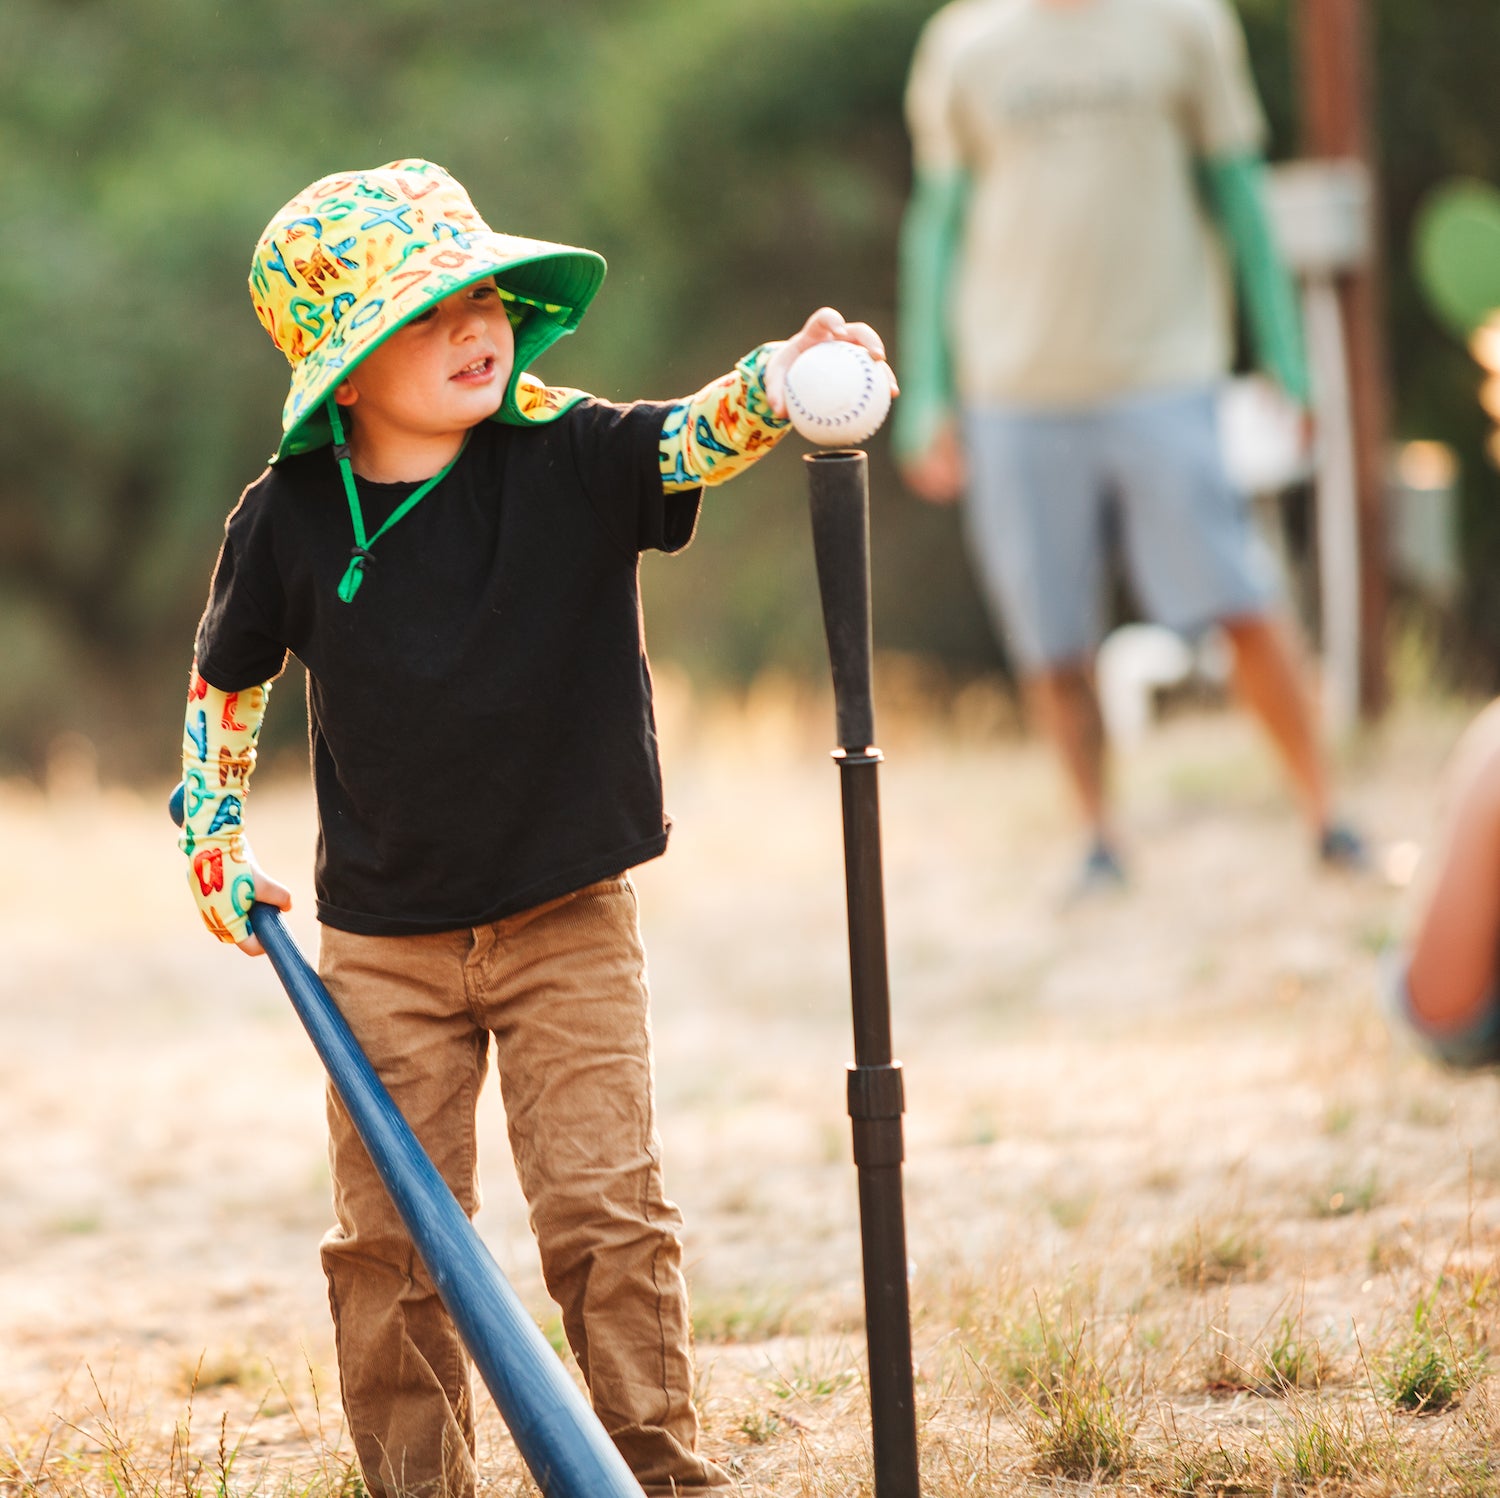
pixel 825 325
pixel 268 892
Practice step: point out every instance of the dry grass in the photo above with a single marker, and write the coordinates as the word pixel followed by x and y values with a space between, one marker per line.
pixel 1184 1219
pixel 1010 1407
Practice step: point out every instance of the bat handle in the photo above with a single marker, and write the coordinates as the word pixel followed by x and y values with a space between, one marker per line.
pixel 839 499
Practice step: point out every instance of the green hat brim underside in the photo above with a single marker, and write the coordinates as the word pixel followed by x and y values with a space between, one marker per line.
pixel 553 289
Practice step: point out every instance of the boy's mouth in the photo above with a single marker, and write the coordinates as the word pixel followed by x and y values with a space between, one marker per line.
pixel 480 369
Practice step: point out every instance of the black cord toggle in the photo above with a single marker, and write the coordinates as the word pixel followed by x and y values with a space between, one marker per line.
pixel 354 573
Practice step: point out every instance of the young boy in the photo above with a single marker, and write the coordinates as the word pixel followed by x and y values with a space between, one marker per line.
pixel 451 548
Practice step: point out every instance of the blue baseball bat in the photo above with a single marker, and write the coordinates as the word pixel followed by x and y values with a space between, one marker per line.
pixel 559 1437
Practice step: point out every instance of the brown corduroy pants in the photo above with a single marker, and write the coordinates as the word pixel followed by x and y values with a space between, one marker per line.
pixel 561 989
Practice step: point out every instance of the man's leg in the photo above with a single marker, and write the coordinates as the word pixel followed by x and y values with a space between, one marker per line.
pixel 1268 678
pixel 1035 521
pixel 403 1371
pixel 1064 706
pixel 1196 559
pixel 566 999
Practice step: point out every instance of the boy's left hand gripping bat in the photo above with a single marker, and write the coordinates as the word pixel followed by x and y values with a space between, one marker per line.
pixel 558 1435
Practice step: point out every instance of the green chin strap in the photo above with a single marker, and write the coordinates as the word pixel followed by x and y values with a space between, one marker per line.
pixel 535 327
pixel 361 555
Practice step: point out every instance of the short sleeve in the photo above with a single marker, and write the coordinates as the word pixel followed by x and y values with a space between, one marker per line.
pixel 931 116
pixel 616 449
pixel 1225 117
pixel 238 644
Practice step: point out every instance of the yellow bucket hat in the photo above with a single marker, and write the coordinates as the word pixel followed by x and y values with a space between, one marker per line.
pixel 356 255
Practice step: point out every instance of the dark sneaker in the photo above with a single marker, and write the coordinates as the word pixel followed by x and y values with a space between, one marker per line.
pixel 1340 847
pixel 1101 873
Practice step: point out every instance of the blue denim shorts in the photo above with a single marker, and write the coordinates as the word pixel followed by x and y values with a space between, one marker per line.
pixel 1477 1045
pixel 1050 490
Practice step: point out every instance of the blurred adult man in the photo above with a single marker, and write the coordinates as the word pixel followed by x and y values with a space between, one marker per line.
pixel 1080 168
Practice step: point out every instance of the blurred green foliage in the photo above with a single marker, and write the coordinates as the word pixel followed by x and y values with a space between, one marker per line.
pixel 738 166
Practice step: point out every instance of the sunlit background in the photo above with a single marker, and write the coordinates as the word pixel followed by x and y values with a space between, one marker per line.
pixel 1162 1151
pixel 737 168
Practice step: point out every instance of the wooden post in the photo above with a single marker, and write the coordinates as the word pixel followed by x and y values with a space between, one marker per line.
pixel 1337 69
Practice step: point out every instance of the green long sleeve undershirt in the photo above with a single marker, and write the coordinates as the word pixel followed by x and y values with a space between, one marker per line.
pixel 1236 191
pixel 932 228
pixel 928 251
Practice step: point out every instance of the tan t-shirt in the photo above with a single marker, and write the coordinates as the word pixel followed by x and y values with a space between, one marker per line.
pixel 1088 266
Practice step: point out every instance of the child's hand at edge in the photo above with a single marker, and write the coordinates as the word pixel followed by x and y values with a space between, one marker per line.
pixel 824 326
pixel 269 892
pixel 1452 969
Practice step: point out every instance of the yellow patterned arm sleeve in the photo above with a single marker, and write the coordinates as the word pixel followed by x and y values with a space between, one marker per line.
pixel 721 431
pixel 218 754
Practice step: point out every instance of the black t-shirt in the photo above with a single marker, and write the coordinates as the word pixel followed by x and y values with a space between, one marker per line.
pixel 480 714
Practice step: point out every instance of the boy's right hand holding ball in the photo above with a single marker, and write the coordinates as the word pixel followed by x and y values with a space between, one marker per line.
pixel 826 325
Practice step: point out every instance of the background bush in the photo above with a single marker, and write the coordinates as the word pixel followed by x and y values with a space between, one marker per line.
pixel 737 167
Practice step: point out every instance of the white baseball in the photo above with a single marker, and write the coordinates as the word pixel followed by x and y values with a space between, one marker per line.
pixel 836 394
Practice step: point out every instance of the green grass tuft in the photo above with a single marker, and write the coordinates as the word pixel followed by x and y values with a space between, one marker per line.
pixel 1427 1370
pixel 1078 1425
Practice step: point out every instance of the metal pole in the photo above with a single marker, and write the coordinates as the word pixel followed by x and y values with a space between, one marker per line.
pixel 1337 473
pixel 1337 71
pixel 838 485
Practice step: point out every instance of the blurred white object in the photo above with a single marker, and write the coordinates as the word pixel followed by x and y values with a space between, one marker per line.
pixel 1138 660
pixel 1400 863
pixel 1263 436
pixel 1338 503
pixel 1322 213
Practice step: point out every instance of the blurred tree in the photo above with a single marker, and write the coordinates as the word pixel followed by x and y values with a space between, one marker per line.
pixel 1439 117
pixel 738 169
pixel 144 151
pixel 767 180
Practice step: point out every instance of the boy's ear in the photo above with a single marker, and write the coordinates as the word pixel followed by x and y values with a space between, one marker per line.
pixel 346 394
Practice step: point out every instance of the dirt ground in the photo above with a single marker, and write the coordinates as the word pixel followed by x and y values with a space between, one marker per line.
pixel 1088 1089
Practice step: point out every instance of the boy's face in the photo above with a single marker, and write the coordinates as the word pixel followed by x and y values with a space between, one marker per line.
pixel 436 376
